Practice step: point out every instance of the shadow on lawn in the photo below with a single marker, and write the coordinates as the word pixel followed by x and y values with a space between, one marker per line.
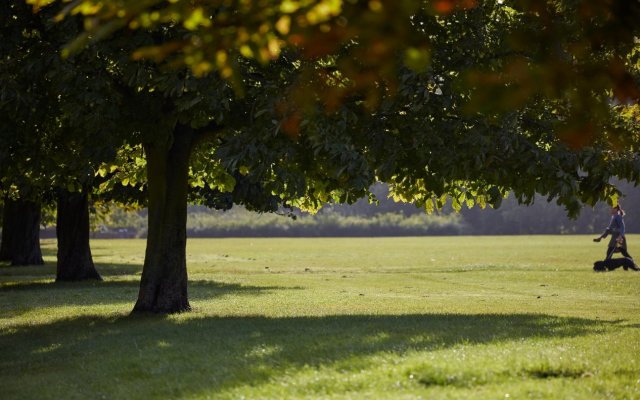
pixel 173 357
pixel 52 294
pixel 48 270
pixel 34 286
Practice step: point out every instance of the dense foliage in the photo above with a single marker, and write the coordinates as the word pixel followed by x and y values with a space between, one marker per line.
pixel 300 103
pixel 386 218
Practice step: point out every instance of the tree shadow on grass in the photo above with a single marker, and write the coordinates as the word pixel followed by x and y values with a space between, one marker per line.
pixel 87 293
pixel 48 270
pixel 152 356
pixel 34 287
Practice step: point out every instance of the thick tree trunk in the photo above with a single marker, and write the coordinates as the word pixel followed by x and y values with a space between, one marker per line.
pixel 163 288
pixel 23 232
pixel 8 221
pixel 72 229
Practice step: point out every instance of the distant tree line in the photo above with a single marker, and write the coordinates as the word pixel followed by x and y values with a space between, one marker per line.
pixel 386 218
pixel 510 218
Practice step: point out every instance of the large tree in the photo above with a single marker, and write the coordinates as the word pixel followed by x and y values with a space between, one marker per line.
pixel 21 232
pixel 570 50
pixel 55 115
pixel 322 123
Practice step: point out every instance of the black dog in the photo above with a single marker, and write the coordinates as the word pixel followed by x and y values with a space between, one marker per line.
pixel 613 263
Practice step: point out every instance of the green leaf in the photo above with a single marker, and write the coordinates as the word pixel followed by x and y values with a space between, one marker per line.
pixel 429 206
pixel 417 59
pixel 455 203
pixel 470 202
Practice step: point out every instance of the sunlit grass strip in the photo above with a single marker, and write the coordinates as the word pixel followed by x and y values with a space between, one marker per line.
pixel 332 318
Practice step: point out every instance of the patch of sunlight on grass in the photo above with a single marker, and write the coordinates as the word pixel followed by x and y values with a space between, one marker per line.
pixel 401 318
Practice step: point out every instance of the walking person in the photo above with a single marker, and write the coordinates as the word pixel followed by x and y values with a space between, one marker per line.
pixel 618 241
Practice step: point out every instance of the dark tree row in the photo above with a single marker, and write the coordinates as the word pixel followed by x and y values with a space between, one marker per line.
pixel 297 106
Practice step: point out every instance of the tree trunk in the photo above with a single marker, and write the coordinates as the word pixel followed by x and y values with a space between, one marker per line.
pixel 23 232
pixel 72 229
pixel 8 222
pixel 163 288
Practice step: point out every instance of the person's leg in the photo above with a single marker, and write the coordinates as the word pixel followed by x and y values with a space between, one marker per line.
pixel 610 251
pixel 625 252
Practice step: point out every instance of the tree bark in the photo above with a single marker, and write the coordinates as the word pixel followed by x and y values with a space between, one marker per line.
pixel 22 232
pixel 8 222
pixel 75 262
pixel 163 287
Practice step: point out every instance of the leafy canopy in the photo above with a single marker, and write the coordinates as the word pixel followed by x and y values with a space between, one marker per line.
pixel 446 98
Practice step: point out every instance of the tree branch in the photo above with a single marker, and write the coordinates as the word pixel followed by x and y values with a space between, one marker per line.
pixel 207 133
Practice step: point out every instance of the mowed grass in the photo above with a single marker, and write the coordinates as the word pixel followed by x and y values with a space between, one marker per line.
pixel 398 318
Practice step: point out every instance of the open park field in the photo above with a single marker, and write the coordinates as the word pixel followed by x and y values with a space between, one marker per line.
pixel 402 318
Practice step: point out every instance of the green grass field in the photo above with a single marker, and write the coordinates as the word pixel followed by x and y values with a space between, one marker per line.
pixel 400 318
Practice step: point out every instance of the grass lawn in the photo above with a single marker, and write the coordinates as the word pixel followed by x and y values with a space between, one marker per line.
pixel 402 318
